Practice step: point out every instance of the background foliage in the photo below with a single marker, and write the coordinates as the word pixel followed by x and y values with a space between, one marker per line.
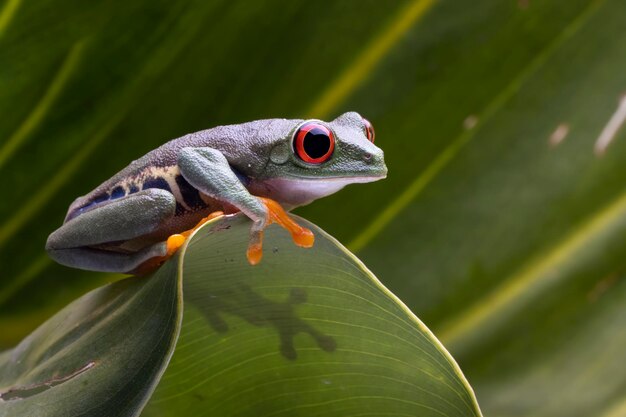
pixel 507 242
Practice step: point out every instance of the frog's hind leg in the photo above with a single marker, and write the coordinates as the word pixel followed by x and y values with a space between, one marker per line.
pixel 120 219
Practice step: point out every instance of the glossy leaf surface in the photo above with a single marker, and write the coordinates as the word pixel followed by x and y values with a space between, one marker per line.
pixel 100 356
pixel 306 332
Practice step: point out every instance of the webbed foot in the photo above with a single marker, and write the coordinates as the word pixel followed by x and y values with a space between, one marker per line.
pixel 301 236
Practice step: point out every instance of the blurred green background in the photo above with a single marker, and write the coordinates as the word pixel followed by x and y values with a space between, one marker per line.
pixel 498 225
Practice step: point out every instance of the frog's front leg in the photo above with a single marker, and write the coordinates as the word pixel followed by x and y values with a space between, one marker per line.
pixel 208 170
pixel 75 242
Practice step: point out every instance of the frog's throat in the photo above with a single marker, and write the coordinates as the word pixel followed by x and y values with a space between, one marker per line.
pixel 294 192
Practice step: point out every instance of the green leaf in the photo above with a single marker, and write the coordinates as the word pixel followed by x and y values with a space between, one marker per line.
pixel 102 355
pixel 306 332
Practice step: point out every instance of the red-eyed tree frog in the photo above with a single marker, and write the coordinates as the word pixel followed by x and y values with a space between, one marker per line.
pixel 138 218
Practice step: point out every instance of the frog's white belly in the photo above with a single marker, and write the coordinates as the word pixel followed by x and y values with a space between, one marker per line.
pixel 298 192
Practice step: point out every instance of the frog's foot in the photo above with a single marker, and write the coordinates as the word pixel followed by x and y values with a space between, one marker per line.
pixel 301 236
pixel 188 233
pixel 173 243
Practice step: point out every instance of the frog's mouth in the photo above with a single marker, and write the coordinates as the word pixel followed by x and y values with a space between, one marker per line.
pixel 294 192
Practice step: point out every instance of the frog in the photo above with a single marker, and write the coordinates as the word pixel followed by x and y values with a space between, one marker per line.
pixel 141 216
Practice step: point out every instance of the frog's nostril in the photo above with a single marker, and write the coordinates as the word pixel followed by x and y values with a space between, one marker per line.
pixel 367 156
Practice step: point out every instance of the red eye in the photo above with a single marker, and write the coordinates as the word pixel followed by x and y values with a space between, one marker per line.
pixel 314 143
pixel 369 130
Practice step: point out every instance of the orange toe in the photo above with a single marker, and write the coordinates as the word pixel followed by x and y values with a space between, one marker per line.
pixel 254 253
pixel 301 235
pixel 304 238
pixel 174 242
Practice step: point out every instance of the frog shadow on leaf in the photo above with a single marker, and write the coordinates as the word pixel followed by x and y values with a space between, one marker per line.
pixel 241 301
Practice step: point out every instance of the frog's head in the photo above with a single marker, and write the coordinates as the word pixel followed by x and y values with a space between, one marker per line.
pixel 317 158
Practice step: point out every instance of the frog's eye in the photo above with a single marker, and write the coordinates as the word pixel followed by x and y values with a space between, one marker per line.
pixel 369 130
pixel 314 143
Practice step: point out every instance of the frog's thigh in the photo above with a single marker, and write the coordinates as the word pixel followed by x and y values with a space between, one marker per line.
pixel 106 261
pixel 121 219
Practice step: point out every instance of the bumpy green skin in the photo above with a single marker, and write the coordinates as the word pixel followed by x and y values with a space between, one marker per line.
pixel 125 221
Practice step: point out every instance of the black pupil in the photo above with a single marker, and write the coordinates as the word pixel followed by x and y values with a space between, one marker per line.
pixel 316 143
